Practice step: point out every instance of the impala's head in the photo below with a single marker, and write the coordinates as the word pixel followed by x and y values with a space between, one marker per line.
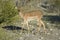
pixel 20 11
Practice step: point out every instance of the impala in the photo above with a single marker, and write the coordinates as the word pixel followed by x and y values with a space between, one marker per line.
pixel 28 16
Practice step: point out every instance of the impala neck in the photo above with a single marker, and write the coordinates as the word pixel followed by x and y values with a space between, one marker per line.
pixel 21 14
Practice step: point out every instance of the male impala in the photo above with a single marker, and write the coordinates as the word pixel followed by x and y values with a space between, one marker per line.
pixel 35 14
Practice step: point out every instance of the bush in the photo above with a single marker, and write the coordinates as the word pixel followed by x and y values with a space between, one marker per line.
pixel 7 10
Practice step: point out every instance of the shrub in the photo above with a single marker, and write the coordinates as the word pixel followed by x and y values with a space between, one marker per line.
pixel 7 10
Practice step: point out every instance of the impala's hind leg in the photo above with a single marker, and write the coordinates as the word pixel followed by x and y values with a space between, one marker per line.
pixel 42 23
pixel 39 25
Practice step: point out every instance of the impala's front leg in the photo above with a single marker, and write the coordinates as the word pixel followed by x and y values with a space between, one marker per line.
pixel 27 26
pixel 23 26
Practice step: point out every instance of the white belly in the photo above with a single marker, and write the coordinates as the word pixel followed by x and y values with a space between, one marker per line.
pixel 31 18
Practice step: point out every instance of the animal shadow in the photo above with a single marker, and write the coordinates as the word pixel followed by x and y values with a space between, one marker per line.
pixel 12 28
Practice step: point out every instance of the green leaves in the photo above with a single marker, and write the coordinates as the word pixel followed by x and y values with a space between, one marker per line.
pixel 7 10
pixel 57 3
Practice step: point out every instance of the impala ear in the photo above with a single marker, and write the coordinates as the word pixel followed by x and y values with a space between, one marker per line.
pixel 15 7
pixel 18 10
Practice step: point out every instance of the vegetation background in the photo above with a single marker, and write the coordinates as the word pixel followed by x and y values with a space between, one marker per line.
pixel 11 23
